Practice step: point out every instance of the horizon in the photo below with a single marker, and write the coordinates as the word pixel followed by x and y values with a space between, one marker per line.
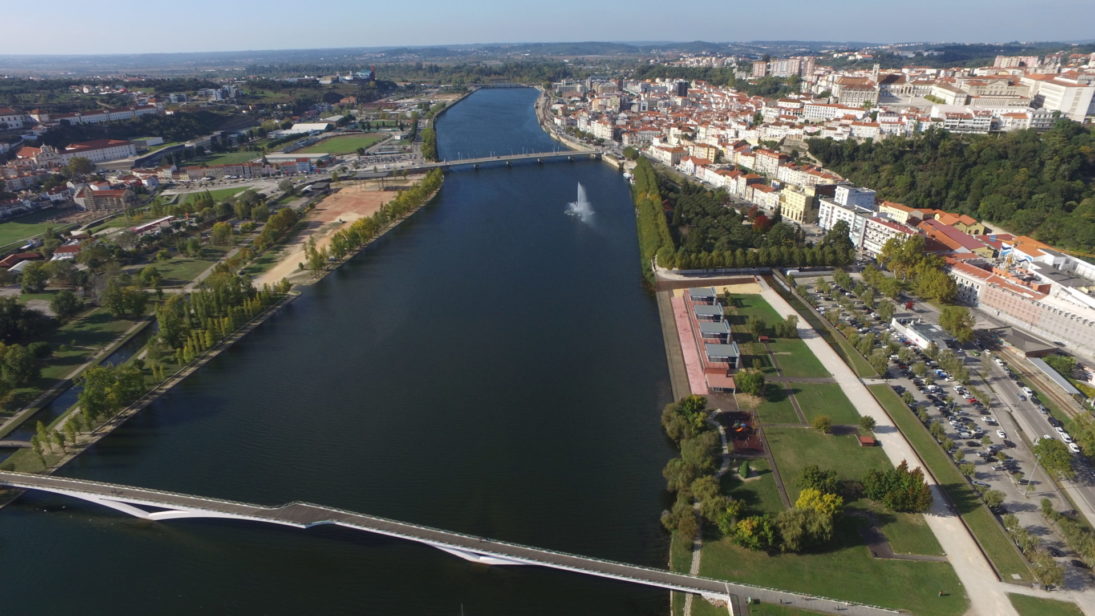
pixel 235 28
pixel 635 43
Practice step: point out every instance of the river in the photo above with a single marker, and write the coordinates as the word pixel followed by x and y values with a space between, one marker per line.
pixel 492 366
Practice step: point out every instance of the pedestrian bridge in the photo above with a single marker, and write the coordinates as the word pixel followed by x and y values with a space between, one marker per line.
pixel 160 505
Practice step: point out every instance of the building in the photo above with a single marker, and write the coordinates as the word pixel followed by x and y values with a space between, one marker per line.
pixel 105 200
pixel 1074 99
pixel 920 333
pixel 799 204
pixel 848 195
pixel 100 150
pixel 11 119
pixel 877 231
pixel 831 212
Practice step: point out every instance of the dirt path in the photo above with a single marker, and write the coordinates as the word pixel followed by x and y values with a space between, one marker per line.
pixel 350 202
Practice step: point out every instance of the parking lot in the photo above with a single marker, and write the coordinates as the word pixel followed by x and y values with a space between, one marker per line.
pixel 981 436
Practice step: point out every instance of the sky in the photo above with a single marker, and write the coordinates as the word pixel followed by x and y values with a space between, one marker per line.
pixel 143 26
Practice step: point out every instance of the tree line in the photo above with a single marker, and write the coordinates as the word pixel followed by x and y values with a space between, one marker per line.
pixel 1038 184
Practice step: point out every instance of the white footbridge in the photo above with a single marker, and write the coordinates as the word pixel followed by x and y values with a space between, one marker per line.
pixel 161 505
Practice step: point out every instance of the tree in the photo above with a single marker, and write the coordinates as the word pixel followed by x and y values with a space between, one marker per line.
pixel 993 498
pixel 885 311
pixel 822 423
pixel 825 503
pixel 958 321
pixel 756 533
pixel 816 478
pixel 66 305
pixel 79 166
pixel 151 277
pixel 221 234
pixel 124 301
pixel 750 382
pixel 34 277
pixel 1055 457
pixel 867 423
pixel 801 528
pixel 699 451
pixel 899 488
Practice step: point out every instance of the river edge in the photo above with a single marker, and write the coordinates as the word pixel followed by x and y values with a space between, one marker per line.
pixel 100 432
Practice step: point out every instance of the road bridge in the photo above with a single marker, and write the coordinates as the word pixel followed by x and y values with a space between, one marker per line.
pixel 161 505
pixel 506 160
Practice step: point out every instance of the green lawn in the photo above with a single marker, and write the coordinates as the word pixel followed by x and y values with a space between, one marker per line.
pixel 218 195
pixel 25 227
pixel 845 571
pixel 680 560
pixel 825 399
pixel 343 145
pixel 1035 606
pixel 751 305
pixel 908 533
pixel 776 407
pixel 759 493
pixel 227 158
pixel 981 522
pixel 796 360
pixel 796 448
pixel 181 270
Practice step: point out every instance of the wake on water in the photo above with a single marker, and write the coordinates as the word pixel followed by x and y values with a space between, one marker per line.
pixel 581 208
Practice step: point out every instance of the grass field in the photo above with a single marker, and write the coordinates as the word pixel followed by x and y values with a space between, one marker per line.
pixel 26 227
pixel 795 359
pixel 218 195
pixel 751 305
pixel 343 145
pixel 181 270
pixel 796 448
pixel 1035 606
pixel 759 493
pixel 227 158
pixel 988 532
pixel 846 571
pixel 908 532
pixel 825 399
pixel 776 407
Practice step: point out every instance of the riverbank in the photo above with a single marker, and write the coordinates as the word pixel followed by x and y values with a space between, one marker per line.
pixel 85 440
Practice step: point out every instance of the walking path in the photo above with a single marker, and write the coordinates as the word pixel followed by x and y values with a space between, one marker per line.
pixel 697 542
pixel 987 595
pixel 692 363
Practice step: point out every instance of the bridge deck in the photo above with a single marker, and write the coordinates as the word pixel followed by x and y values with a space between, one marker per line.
pixel 304 515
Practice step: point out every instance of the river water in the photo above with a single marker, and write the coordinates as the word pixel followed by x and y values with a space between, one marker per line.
pixel 493 366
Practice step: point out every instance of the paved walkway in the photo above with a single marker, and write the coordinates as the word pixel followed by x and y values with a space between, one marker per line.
pixel 986 594
pixel 692 363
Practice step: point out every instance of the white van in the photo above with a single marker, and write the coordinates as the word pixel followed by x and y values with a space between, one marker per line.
pixel 1028 391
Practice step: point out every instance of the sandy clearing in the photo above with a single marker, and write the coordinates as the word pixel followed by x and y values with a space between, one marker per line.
pixel 349 203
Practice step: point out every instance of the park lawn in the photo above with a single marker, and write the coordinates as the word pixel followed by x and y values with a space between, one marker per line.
pixel 846 571
pixel 759 493
pixel 1036 606
pixel 825 399
pixel 752 305
pixel 228 158
pixel 776 407
pixel 218 195
pixel 18 230
pixel 754 355
pixel 759 609
pixel 796 448
pixel 982 523
pixel 81 338
pixel 345 144
pixel 180 270
pixel 796 360
pixel 908 533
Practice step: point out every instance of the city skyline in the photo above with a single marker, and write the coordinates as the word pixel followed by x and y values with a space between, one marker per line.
pixel 346 24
